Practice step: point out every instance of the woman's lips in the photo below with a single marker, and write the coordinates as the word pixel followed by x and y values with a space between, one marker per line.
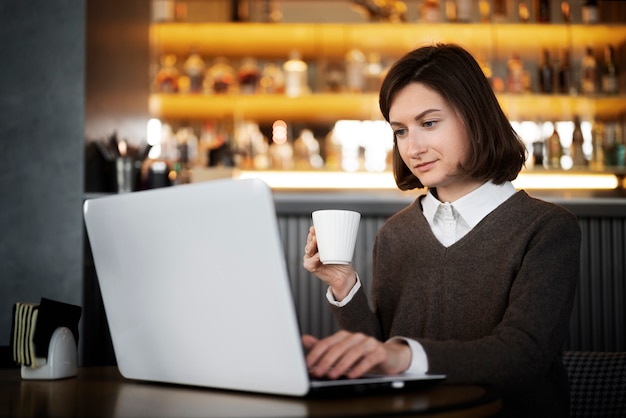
pixel 425 166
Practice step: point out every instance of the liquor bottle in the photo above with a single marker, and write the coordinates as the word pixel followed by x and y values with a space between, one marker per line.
pixel 464 10
pixel 564 76
pixel 373 73
pixel 542 8
pixel 609 72
pixel 523 11
pixel 166 80
pixel 500 11
pixel 590 12
pixel 450 9
pixel 576 148
pixel 597 151
pixel 566 12
pixel 272 79
pixel 355 70
pixel 484 11
pixel 194 70
pixel 248 76
pixel 589 73
pixel 220 77
pixel 296 75
pixel 430 11
pixel 546 73
pixel 555 150
pixel 515 74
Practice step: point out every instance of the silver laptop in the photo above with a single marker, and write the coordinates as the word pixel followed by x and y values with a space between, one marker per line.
pixel 196 292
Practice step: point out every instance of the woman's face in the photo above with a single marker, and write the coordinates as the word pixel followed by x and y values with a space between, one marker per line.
pixel 432 140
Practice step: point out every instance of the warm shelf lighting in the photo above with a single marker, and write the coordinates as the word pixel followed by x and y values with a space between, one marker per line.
pixel 329 180
pixel 553 181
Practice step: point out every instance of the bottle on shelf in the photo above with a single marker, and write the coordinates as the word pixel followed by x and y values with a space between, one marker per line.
pixel 373 73
pixel 484 11
pixel 430 11
pixel 564 74
pixel 464 10
pixel 272 79
pixel 515 74
pixel 450 9
pixel 355 70
pixel 194 67
pixel 545 73
pixel 589 73
pixel 542 10
pixel 220 77
pixel 614 148
pixel 596 162
pixel 576 148
pixel 500 12
pixel 166 80
pixel 554 149
pixel 523 11
pixel 590 12
pixel 566 11
pixel 296 75
pixel 248 76
pixel 609 72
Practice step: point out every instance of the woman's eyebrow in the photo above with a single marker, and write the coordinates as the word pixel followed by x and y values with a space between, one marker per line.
pixel 418 116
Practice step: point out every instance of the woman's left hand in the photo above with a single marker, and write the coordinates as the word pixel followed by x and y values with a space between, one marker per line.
pixel 354 354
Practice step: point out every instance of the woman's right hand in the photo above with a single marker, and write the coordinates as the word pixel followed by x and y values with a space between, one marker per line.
pixel 340 278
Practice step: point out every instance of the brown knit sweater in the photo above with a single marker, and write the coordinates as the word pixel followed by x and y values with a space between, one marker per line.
pixel 491 309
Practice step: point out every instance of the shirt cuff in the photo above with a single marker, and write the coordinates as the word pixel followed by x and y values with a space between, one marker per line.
pixel 419 361
pixel 331 298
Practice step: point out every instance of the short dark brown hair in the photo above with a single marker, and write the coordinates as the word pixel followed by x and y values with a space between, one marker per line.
pixel 496 153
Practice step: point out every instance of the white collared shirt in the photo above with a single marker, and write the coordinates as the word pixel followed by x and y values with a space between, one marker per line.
pixel 449 221
pixel 452 221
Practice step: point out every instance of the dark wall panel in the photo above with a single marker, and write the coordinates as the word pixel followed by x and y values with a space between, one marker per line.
pixel 41 152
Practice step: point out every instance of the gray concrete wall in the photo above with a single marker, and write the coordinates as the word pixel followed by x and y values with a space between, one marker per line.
pixel 42 59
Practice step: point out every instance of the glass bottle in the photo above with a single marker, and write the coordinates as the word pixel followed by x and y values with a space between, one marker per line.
pixel 248 76
pixel 576 148
pixel 166 80
pixel 555 150
pixel 566 11
pixel 590 12
pixel 609 72
pixel 484 10
pixel 430 11
pixel 523 11
pixel 542 8
pixel 565 73
pixel 220 77
pixel 464 11
pixel 296 75
pixel 272 79
pixel 355 70
pixel 500 14
pixel 373 73
pixel 589 72
pixel 597 152
pixel 450 9
pixel 515 74
pixel 546 73
pixel 194 70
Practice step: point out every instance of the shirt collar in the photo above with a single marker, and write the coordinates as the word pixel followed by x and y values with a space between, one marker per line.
pixel 474 206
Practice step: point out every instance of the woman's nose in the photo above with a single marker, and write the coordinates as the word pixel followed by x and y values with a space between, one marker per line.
pixel 416 146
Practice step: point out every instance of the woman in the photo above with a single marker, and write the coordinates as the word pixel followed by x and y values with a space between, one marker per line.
pixel 474 280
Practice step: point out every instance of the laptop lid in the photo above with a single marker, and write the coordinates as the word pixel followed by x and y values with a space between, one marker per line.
pixel 196 290
pixel 193 281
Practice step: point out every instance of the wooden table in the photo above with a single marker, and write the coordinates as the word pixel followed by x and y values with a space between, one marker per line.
pixel 102 391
